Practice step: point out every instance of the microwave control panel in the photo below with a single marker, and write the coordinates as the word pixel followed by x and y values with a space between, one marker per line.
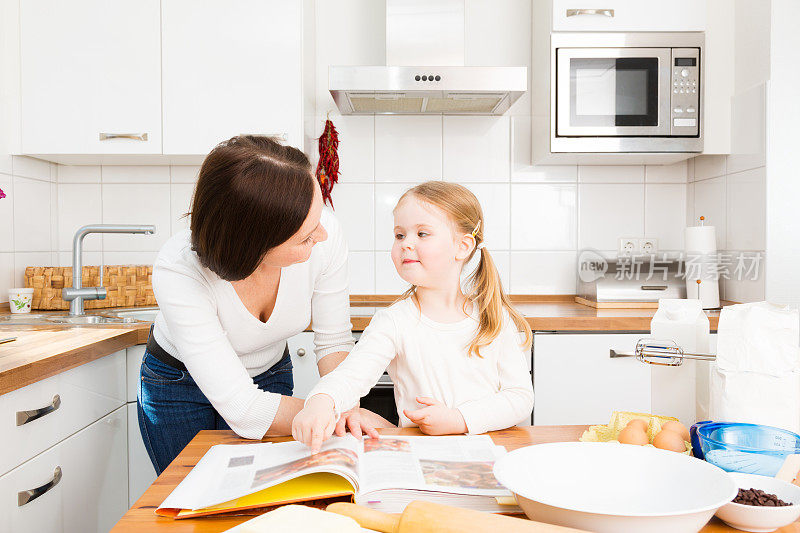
pixel 685 96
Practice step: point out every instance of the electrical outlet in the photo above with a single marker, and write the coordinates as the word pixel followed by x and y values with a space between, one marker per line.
pixel 648 246
pixel 628 245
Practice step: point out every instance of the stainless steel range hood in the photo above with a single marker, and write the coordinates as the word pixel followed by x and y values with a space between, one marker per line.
pixel 425 72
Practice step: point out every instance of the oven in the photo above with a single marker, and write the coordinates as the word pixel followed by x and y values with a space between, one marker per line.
pixel 631 92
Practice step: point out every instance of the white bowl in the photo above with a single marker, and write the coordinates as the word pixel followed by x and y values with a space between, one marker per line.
pixel 755 518
pixel 614 488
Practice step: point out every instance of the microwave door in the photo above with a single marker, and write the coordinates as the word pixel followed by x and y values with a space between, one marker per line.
pixel 613 92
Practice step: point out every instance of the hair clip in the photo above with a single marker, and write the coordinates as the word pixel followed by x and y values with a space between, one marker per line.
pixel 477 227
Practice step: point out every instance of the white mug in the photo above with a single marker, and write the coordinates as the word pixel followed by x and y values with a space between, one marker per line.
pixel 19 300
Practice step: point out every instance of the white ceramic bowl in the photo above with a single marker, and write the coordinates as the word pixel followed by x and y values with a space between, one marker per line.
pixel 614 488
pixel 753 518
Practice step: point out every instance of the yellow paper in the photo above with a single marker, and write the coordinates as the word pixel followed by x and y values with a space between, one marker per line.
pixel 308 487
pixel 620 419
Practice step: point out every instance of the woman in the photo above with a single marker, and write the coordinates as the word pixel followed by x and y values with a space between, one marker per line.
pixel 260 261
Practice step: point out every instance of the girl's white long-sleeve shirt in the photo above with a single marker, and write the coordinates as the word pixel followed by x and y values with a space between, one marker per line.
pixel 203 323
pixel 428 358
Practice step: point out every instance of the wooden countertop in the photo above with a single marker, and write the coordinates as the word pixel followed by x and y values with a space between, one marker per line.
pixel 43 351
pixel 142 517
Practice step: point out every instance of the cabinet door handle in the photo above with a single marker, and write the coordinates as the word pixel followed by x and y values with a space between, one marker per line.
pixel 23 417
pixel 605 12
pixel 301 352
pixel 26 496
pixel 134 136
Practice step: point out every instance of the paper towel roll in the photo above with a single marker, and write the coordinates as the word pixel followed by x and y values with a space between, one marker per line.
pixel 700 239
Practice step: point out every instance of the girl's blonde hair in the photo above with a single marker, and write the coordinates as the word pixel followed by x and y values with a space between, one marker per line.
pixel 465 213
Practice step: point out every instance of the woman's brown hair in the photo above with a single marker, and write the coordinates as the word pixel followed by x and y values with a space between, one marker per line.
pixel 486 289
pixel 252 194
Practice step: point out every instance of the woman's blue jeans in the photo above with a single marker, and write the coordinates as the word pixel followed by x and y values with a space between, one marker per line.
pixel 172 408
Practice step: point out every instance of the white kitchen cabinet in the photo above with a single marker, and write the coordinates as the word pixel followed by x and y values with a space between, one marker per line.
pixel 141 473
pixel 575 381
pixel 628 15
pixel 92 494
pixel 231 68
pixel 304 363
pixel 89 68
pixel 84 394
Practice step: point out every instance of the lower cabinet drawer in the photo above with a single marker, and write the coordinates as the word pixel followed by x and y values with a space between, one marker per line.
pixel 80 484
pixel 36 417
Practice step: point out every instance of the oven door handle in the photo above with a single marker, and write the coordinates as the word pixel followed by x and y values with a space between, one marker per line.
pixel 576 12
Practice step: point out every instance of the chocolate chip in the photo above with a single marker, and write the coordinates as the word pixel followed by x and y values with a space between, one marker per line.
pixel 758 497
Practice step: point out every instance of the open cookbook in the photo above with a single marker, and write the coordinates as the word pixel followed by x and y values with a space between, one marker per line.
pixel 385 474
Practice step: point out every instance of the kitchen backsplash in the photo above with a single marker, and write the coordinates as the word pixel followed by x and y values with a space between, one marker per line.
pixel 538 217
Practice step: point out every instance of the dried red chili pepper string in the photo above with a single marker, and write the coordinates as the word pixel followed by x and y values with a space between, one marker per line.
pixel 328 165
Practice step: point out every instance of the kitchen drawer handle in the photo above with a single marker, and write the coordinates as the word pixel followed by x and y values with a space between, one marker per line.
pixel 134 136
pixel 301 352
pixel 613 354
pixel 23 417
pixel 605 12
pixel 654 287
pixel 29 495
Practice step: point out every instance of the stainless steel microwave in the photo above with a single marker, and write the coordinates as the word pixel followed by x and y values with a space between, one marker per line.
pixel 627 92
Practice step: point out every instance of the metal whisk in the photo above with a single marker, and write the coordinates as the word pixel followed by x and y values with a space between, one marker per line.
pixel 662 352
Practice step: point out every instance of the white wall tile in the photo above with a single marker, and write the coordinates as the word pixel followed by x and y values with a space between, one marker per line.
pixel 79 204
pixel 611 174
pixel 387 281
pixel 31 215
pixel 135 174
pixel 475 148
pixel 183 174
pixel 6 215
pixel 386 197
pixel 543 273
pixel 746 290
pixel 665 214
pixel 64 259
pixel 408 148
pixel 708 166
pixel 30 167
pixel 130 258
pixel 746 210
pixel 354 206
pixel 136 204
pixel 494 200
pixel 521 149
pixel 690 218
pixel 356 147
pixel 543 217
pixel 6 275
pixel 362 272
pixel 546 174
pixel 180 203
pixel 607 212
pixel 675 173
pixel 22 260
pixel 709 202
pixel 78 174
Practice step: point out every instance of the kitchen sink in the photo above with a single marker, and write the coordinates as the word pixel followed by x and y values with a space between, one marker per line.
pixel 90 319
pixel 146 314
pixel 126 317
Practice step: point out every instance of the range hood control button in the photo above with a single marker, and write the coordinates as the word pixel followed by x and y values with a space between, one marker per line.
pixel 438 78
pixel 417 77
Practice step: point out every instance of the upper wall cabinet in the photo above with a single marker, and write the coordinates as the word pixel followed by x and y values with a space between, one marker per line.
pixel 230 68
pixel 91 79
pixel 159 82
pixel 628 15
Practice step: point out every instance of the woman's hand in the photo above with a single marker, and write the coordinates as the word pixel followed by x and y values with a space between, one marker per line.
pixel 360 421
pixel 315 423
pixel 436 418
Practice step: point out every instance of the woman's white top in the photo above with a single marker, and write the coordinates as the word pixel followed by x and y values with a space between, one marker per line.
pixel 427 358
pixel 203 323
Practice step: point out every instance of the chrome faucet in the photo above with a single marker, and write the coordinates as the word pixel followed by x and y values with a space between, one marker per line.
pixel 76 294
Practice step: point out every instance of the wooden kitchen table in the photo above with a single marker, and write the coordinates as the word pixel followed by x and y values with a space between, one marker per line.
pixel 142 517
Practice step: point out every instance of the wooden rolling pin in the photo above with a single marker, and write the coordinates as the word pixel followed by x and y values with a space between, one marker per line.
pixel 427 517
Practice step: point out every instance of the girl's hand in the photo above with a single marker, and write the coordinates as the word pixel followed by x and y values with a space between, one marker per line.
pixel 359 420
pixel 315 422
pixel 436 418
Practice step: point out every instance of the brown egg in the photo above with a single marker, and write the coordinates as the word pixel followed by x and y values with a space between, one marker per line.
pixel 632 435
pixel 638 423
pixel 667 440
pixel 676 427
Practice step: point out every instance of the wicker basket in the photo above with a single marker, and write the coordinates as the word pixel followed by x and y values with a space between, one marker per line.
pixel 126 286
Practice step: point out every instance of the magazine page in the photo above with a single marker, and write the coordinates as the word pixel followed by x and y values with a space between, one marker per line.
pixel 229 471
pixel 455 464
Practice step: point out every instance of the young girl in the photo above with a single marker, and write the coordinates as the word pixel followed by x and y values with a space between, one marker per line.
pixel 458 362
